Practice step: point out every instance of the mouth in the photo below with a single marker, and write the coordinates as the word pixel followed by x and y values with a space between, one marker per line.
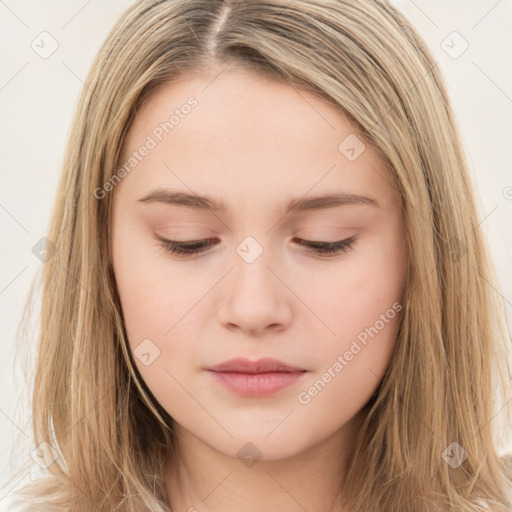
pixel 256 378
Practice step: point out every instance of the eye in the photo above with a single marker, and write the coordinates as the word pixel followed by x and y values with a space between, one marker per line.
pixel 326 248
pixel 185 248
pixel 199 246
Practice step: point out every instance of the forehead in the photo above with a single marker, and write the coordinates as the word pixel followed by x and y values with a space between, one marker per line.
pixel 248 137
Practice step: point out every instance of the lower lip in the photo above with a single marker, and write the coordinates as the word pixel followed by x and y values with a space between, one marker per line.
pixel 257 384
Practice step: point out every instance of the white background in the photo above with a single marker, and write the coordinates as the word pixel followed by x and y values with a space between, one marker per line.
pixel 38 97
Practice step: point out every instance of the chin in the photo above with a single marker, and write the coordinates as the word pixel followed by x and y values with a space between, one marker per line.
pixel 254 446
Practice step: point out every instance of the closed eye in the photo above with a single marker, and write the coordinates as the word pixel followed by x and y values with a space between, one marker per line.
pixel 328 247
pixel 199 246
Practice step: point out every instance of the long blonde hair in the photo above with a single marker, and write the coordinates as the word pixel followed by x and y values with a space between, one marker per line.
pixel 449 374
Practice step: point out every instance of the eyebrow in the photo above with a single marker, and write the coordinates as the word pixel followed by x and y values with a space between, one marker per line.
pixel 294 205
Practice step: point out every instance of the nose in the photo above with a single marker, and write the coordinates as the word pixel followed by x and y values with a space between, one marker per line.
pixel 256 298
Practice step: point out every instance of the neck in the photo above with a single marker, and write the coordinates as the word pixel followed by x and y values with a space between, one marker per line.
pixel 213 481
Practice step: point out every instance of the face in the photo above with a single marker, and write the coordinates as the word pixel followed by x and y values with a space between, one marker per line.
pixel 268 269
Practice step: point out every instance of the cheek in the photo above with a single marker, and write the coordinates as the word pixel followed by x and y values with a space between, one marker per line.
pixel 150 289
pixel 363 285
pixel 351 366
pixel 361 304
pixel 154 311
pixel 147 309
pixel 159 302
pixel 137 281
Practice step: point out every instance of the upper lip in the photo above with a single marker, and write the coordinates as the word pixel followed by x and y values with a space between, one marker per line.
pixel 264 365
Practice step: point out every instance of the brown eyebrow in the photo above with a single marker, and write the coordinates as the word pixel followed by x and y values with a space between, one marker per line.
pixel 295 205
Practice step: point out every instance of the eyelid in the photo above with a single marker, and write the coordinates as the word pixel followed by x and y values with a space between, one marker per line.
pixel 198 246
pixel 330 249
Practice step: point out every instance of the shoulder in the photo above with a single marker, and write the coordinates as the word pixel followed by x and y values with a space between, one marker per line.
pixel 14 506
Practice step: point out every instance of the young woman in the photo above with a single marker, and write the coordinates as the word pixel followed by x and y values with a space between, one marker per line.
pixel 268 288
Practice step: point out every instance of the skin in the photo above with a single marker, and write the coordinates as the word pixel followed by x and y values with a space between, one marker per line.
pixel 255 144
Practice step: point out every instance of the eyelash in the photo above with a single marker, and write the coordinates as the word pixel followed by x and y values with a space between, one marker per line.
pixel 199 246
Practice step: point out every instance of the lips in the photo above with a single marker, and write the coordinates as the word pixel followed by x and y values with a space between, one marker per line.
pixel 256 378
pixel 265 365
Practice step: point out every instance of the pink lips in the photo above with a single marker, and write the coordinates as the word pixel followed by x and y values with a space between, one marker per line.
pixel 256 378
